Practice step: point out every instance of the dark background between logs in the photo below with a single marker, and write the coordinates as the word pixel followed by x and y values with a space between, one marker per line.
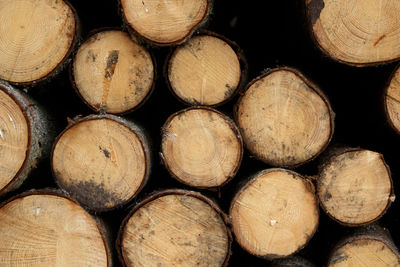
pixel 271 33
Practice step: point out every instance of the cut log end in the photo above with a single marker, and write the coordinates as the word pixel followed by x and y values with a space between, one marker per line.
pixel 112 73
pixel 101 161
pixel 206 71
pixel 37 36
pixel 355 187
pixel 275 214
pixel 175 228
pixel 201 147
pixel 392 101
pixel 284 119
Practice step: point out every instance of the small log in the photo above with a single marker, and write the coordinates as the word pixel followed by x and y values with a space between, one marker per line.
pixel 50 229
pixel 355 187
pixel 358 33
pixel 26 135
pixel 201 147
pixel 275 214
pixel 175 228
pixel 164 23
pixel 391 100
pixel 38 38
pixel 207 70
pixel 102 161
pixel 112 73
pixel 285 120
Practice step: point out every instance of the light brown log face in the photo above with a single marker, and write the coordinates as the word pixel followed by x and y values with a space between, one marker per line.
pixel 164 22
pixel 275 214
pixel 101 162
pixel 392 101
pixel 205 71
pixel 357 32
pixel 175 230
pixel 355 187
pixel 201 147
pixel 284 120
pixel 48 230
pixel 112 73
pixel 14 139
pixel 36 36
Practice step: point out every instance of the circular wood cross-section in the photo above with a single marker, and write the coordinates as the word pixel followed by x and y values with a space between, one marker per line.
pixel 356 32
pixel 101 161
pixel 284 119
pixel 205 70
pixel 36 37
pixel 355 187
pixel 40 229
pixel 165 22
pixel 275 214
pixel 112 73
pixel 175 228
pixel 392 101
pixel 201 147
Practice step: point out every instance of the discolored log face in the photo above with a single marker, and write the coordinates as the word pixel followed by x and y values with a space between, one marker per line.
pixel 100 162
pixel 284 119
pixel 355 187
pixel 175 230
pixel 164 22
pixel 275 214
pixel 356 32
pixel 392 101
pixel 14 138
pixel 48 230
pixel 112 73
pixel 201 147
pixel 205 71
pixel 36 36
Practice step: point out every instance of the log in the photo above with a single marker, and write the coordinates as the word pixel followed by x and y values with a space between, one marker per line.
pixel 175 228
pixel 358 33
pixel 26 135
pixel 38 38
pixel 391 99
pixel 207 70
pixel 164 23
pixel 285 120
pixel 201 147
pixel 103 161
pixel 355 187
pixel 47 228
pixel 293 261
pixel 112 73
pixel 275 214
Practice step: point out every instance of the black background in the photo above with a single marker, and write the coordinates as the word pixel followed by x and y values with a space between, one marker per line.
pixel 271 33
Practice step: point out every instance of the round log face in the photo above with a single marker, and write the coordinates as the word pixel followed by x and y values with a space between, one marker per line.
pixel 392 101
pixel 175 230
pixel 14 139
pixel 112 73
pixel 48 230
pixel 357 32
pixel 164 22
pixel 205 71
pixel 275 214
pixel 36 36
pixel 283 119
pixel 100 162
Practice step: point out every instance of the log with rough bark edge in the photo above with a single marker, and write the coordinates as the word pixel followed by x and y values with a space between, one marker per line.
pixel 206 70
pixel 371 246
pixel 201 147
pixel 37 37
pixel 112 73
pixel 103 161
pixel 355 187
pixel 47 228
pixel 175 228
pixel 275 214
pixel 358 33
pixel 26 136
pixel 285 120
pixel 293 261
pixel 391 100
pixel 162 22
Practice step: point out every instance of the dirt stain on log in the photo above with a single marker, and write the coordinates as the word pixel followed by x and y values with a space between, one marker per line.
pixel 338 258
pixel 111 64
pixel 105 151
pixel 315 8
